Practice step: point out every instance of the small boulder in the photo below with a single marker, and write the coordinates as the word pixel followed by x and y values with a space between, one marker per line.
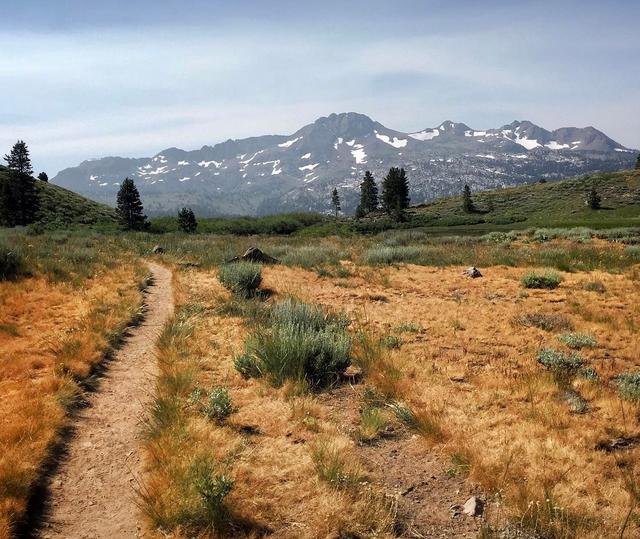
pixel 472 272
pixel 473 507
pixel 157 250
pixel 352 373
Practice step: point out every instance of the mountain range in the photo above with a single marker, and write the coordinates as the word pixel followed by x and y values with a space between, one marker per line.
pixel 280 173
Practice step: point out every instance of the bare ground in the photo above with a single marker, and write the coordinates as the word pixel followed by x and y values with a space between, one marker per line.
pixel 418 478
pixel 92 494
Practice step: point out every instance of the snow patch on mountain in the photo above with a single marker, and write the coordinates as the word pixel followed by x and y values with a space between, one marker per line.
pixel 289 143
pixel 206 164
pixel 308 167
pixel 396 142
pixel 359 154
pixel 554 145
pixel 427 134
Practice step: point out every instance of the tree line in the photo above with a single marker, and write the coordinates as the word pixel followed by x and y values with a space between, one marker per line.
pixel 19 203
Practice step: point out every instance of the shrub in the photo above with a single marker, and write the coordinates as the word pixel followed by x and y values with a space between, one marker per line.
pixel 629 386
pixel 212 489
pixel 242 278
pixel 588 373
pixel 409 328
pixel 391 341
pixel 558 361
pixel 549 279
pixel 293 352
pixel 380 254
pixel 12 263
pixel 594 286
pixel 247 366
pixel 633 251
pixel 218 406
pixel 303 344
pixel 305 315
pixel 577 340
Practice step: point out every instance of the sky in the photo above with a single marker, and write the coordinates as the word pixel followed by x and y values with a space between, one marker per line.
pixel 84 79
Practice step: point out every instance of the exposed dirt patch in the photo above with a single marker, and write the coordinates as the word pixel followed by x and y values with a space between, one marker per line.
pixel 418 477
pixel 92 493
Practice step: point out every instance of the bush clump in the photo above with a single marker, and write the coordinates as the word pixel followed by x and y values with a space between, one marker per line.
pixel 629 386
pixel 549 279
pixel 12 264
pixel 577 340
pixel 218 406
pixel 380 255
pixel 242 278
pixel 544 321
pixel 558 361
pixel 309 257
pixel 594 286
pixel 303 344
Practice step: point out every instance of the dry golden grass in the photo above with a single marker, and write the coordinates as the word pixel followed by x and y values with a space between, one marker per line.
pixel 503 414
pixel 51 335
pixel 276 447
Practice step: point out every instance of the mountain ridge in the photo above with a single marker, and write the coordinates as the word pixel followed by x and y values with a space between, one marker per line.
pixel 275 173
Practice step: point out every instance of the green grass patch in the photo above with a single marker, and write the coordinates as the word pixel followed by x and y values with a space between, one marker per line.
pixel 549 280
pixel 242 278
pixel 629 386
pixel 577 340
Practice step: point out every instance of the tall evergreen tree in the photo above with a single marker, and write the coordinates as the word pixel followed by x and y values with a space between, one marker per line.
pixel 18 158
pixel 19 201
pixel 43 177
pixel 187 220
pixel 129 207
pixel 395 192
pixel 467 201
pixel 368 195
pixel 6 201
pixel 335 201
pixel 593 199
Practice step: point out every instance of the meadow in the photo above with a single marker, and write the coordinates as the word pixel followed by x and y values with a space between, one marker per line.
pixel 520 387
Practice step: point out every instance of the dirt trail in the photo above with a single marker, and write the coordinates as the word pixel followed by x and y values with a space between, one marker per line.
pixel 92 492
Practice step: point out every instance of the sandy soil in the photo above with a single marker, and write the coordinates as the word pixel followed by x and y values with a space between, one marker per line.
pixel 92 493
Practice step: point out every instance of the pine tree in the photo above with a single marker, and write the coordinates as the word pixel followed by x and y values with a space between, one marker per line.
pixel 18 159
pixel 395 193
pixel 43 177
pixel 467 201
pixel 187 220
pixel 6 201
pixel 368 195
pixel 638 163
pixel 335 201
pixel 19 201
pixel 129 207
pixel 594 200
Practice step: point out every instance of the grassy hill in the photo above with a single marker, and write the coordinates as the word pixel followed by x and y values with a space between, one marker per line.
pixel 558 204
pixel 61 208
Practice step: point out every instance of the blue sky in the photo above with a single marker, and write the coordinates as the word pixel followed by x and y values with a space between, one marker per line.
pixel 83 79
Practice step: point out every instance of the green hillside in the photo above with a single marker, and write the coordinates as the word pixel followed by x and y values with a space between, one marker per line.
pixel 60 208
pixel 561 203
